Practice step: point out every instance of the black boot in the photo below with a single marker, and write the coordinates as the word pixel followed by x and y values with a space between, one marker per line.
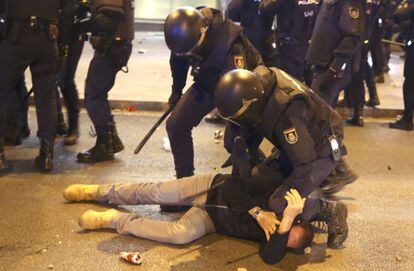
pixel 372 102
pixel 402 123
pixel 334 214
pixel 357 119
pixel 73 133
pixel 340 177
pixel 379 79
pixel 116 140
pixel 102 151
pixel 44 162
pixel 61 126
pixel 4 165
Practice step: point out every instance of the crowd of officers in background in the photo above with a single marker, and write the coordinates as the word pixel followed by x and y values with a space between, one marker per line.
pixel 324 44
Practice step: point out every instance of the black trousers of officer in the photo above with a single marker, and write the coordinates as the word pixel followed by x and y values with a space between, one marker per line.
pixel 355 92
pixel 38 52
pixel 187 114
pixel 66 80
pixel 330 94
pixel 378 51
pixel 408 87
pixel 291 59
pixel 101 78
pixel 21 91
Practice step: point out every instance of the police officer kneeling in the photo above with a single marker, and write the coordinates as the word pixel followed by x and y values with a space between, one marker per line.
pixel 305 128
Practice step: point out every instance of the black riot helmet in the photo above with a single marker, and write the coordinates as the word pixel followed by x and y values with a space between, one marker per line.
pixel 185 29
pixel 239 98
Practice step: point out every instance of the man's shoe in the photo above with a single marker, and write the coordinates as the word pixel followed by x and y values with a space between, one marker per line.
pixel 379 79
pixel 373 102
pixel 93 220
pixel 402 124
pixel 387 69
pixel 61 127
pixel 334 214
pixel 340 177
pixel 102 151
pixel 71 138
pixel 356 121
pixel 117 144
pixel 81 192
pixel 44 162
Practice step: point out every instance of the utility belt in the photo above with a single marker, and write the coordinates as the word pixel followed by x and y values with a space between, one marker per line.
pixel 103 44
pixel 33 25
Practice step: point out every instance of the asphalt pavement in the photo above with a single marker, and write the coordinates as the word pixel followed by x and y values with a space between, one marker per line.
pixel 39 230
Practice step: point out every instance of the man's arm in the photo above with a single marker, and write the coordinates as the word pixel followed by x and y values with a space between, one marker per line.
pixel 179 66
pixel 273 250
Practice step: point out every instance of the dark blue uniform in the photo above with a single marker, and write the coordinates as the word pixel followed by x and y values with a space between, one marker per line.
pixel 257 26
pixel 295 22
pixel 405 15
pixel 31 42
pixel 228 49
pixel 335 47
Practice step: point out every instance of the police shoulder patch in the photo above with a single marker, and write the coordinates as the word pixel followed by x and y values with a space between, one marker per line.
pixel 291 136
pixel 354 12
pixel 239 62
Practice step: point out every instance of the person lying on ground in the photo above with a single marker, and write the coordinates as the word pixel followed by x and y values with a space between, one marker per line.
pixel 232 206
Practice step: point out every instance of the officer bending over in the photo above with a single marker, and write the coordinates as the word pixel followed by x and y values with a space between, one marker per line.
pixel 227 205
pixel 306 130
pixel 211 45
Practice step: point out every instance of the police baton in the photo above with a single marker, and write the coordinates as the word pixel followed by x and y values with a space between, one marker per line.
pixel 151 132
pixel 393 42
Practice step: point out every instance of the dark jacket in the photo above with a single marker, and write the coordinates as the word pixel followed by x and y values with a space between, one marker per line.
pixel 228 206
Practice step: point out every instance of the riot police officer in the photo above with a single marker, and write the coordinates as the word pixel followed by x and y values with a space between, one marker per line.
pixel 211 45
pixel 31 42
pixel 70 50
pixel 405 15
pixel 355 92
pixel 294 119
pixel 335 46
pixel 295 22
pixel 257 26
pixel 112 34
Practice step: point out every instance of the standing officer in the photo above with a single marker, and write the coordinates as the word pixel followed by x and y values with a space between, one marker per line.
pixel 211 45
pixel 70 50
pixel 257 26
pixel 112 34
pixel 30 41
pixel 403 16
pixel 355 92
pixel 295 21
pixel 294 119
pixel 336 46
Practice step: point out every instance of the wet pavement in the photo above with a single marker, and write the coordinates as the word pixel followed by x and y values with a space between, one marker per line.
pixel 39 231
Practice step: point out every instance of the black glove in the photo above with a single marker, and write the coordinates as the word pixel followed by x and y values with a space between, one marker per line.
pixel 328 79
pixel 174 98
pixel 240 158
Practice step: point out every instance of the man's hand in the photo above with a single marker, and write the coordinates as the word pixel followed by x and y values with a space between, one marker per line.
pixel 267 221
pixel 295 204
pixel 174 98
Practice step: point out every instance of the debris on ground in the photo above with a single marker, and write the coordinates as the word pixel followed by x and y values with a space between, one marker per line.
pixel 166 144
pixel 389 167
pixel 398 258
pixel 218 135
pixel 241 269
pixel 50 266
pixel 132 257
pixel 142 51
pixel 131 108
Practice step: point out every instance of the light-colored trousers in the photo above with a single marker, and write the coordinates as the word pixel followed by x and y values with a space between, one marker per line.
pixel 191 226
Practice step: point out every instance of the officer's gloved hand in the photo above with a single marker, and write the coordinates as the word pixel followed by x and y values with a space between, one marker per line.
pixel 328 79
pixel 174 98
pixel 240 158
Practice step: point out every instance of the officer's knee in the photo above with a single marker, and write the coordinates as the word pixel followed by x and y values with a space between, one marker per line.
pixel 182 234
